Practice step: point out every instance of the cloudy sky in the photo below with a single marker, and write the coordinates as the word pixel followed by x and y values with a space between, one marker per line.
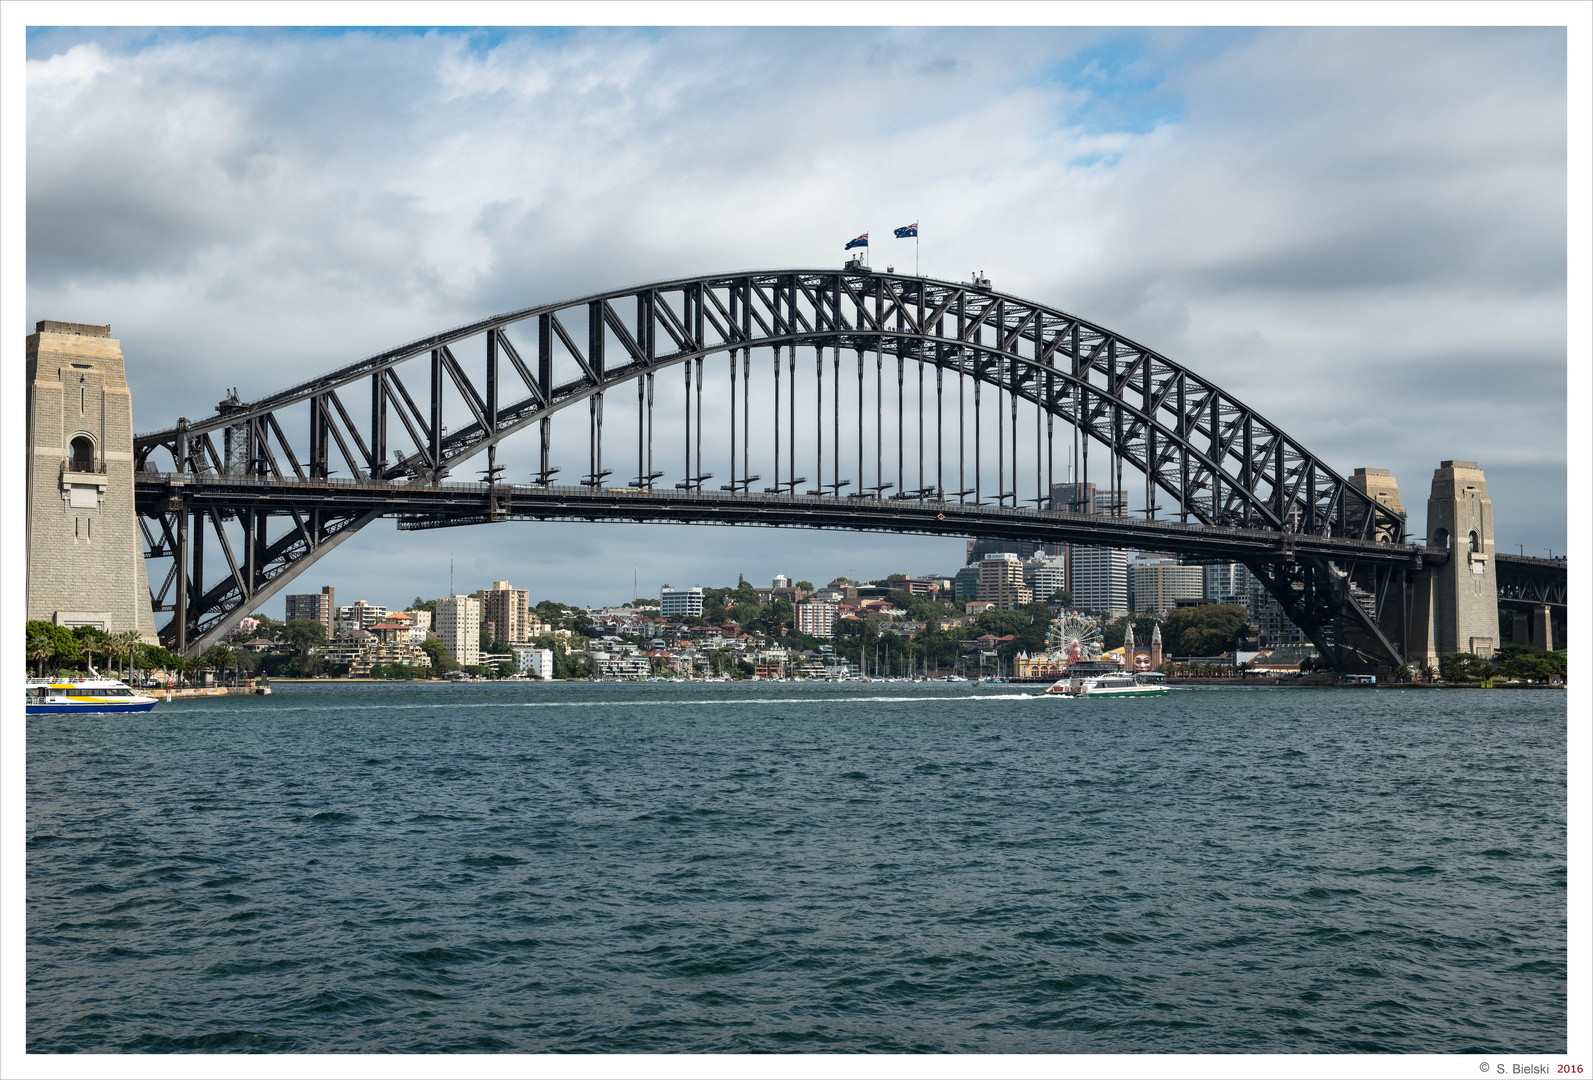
pixel 1360 233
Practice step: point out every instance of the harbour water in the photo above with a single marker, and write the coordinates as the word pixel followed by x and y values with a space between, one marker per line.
pixel 819 867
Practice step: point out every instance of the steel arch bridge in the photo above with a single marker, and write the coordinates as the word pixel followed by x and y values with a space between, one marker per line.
pixel 1237 487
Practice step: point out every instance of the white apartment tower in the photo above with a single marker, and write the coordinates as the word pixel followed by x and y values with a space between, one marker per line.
pixel 458 626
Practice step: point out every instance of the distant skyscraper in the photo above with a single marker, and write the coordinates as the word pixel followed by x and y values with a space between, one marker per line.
pixel 1097 582
pixel 965 585
pixel 978 549
pixel 1227 583
pixel 1099 579
pixel 1074 498
pixel 1158 586
pixel 1086 499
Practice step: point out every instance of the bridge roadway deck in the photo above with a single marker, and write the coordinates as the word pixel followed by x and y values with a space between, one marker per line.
pixel 427 506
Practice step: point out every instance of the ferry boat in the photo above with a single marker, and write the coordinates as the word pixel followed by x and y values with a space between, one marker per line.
pixel 91 695
pixel 1104 679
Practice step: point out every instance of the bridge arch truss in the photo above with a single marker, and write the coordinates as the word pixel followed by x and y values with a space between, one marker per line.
pixel 1061 386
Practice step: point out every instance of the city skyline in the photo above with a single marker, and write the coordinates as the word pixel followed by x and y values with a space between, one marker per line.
pixel 1316 229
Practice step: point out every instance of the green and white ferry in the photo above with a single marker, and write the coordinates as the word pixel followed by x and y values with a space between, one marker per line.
pixel 1100 678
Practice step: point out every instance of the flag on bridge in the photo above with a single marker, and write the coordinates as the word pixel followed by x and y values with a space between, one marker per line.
pixel 907 232
pixel 861 241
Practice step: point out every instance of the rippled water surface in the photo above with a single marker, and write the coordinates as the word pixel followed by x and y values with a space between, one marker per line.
pixel 667 867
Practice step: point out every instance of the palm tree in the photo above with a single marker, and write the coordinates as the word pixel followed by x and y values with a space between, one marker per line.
pixel 92 639
pixel 217 658
pixel 41 646
pixel 126 644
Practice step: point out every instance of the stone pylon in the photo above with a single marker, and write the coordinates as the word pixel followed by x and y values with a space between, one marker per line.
pixel 1456 607
pixel 1381 486
pixel 85 555
pixel 1156 647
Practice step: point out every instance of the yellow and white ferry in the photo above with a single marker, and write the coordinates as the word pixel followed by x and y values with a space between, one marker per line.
pixel 91 695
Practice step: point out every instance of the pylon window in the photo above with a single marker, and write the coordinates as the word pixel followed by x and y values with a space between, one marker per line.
pixel 82 454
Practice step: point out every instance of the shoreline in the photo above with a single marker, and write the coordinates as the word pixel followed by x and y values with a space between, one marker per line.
pixel 1267 683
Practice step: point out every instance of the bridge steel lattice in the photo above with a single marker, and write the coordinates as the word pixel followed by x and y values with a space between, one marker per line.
pixel 236 507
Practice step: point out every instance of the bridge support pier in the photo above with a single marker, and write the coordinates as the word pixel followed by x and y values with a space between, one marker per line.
pixel 85 559
pixel 1542 628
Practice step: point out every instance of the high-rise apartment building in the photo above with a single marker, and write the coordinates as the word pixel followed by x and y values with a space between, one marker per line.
pixel 1158 586
pixel 681 603
pixel 1087 499
pixel 505 609
pixel 1099 579
pixel 458 626
pixel 321 606
pixel 816 619
pixel 1001 581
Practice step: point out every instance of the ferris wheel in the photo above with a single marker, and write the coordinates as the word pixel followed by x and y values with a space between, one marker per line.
pixel 1075 636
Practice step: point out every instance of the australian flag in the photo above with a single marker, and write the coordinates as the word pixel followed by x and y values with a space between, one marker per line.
pixel 861 241
pixel 907 231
